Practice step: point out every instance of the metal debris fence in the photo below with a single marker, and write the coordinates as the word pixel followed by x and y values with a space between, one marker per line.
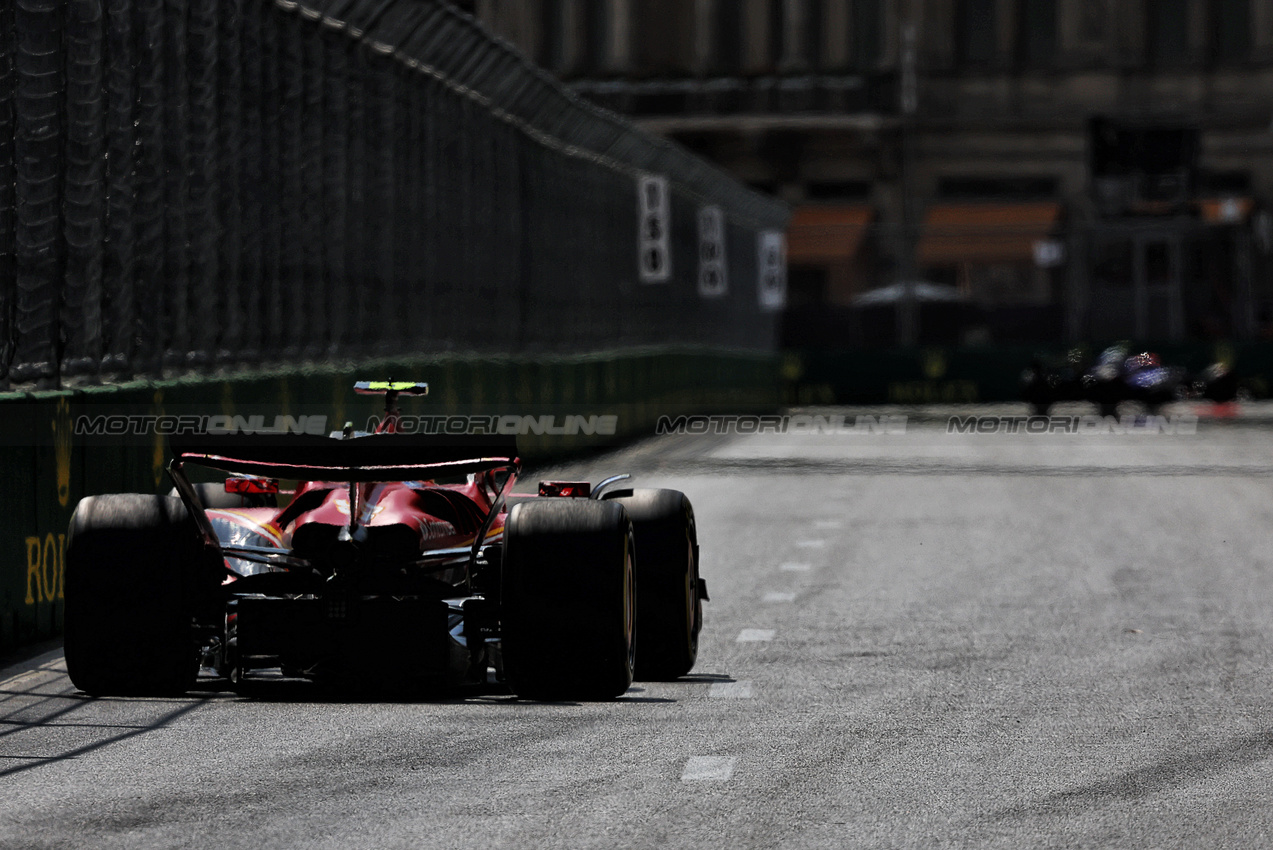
pixel 193 185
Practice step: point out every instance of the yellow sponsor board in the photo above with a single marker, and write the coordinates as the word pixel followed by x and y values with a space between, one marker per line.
pixel 932 392
pixel 46 568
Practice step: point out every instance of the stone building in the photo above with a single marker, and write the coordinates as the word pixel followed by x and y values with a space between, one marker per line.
pixel 1074 169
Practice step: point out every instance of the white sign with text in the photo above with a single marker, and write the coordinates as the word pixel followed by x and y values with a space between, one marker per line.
pixel 654 217
pixel 712 280
pixel 772 269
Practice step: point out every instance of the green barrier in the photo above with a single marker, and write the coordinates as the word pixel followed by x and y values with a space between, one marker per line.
pixel 50 466
pixel 21 617
pixel 967 375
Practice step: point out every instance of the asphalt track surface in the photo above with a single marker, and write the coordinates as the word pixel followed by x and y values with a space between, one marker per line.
pixel 914 640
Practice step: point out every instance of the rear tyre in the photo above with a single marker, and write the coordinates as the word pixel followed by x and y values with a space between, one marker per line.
pixel 135 574
pixel 670 610
pixel 568 600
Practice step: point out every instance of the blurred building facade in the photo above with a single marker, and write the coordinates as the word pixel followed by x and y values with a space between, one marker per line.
pixel 1076 169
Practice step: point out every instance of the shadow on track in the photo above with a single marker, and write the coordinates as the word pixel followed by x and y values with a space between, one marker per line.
pixel 493 692
pixel 81 702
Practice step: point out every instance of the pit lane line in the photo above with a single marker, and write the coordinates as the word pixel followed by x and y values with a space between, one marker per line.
pixel 721 768
pixel 709 769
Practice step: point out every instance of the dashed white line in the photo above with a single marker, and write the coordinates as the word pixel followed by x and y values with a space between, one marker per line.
pixel 796 567
pixel 827 523
pixel 779 596
pixel 810 544
pixel 709 769
pixel 755 635
pixel 729 690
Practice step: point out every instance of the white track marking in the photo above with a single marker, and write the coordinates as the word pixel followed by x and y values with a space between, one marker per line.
pixel 827 523
pixel 755 635
pixel 730 690
pixel 779 596
pixel 795 567
pixel 810 544
pixel 709 769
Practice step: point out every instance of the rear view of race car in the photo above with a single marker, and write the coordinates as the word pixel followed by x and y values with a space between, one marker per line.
pixel 396 564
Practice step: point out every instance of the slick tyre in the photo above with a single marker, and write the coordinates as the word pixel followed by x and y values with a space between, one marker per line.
pixel 669 610
pixel 568 600
pixel 135 572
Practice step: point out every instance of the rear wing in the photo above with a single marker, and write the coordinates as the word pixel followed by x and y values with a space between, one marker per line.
pixel 376 457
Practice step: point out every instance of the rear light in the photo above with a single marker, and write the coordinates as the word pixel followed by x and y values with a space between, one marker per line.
pixel 565 489
pixel 251 485
pixel 399 387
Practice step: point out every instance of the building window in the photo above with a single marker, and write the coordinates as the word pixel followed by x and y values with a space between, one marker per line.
pixel 551 41
pixel 986 188
pixel 596 22
pixel 1221 183
pixel 1036 41
pixel 866 35
pixel 729 36
pixel 1092 21
pixel 1231 30
pixel 839 191
pixel 807 286
pixel 813 18
pixel 1167 32
pixel 777 31
pixel 976 29
pixel 663 36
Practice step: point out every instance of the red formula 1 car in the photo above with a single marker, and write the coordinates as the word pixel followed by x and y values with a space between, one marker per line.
pixel 397 563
